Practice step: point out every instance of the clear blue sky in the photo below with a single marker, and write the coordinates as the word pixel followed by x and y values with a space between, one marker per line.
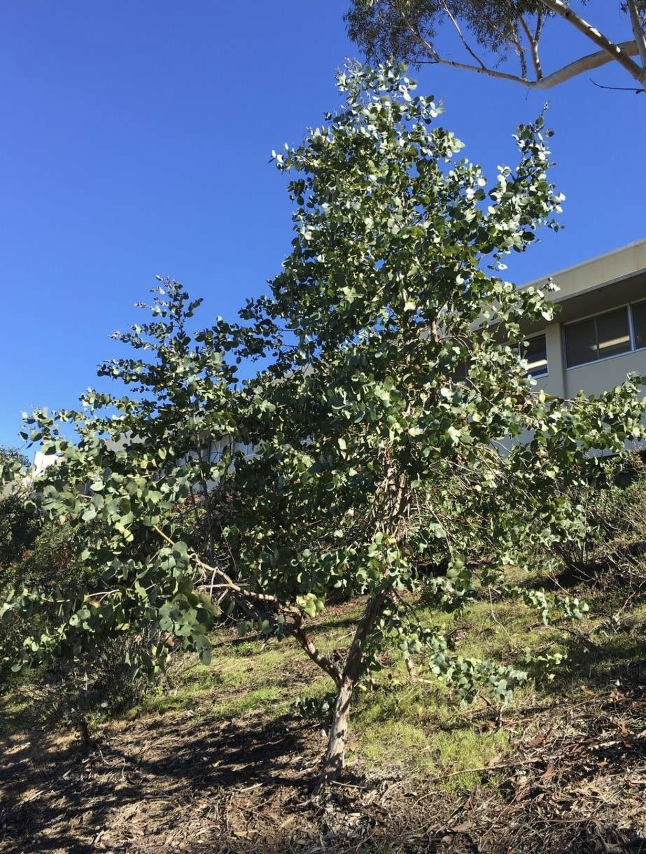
pixel 136 138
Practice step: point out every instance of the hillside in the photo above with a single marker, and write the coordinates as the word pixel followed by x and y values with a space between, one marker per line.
pixel 219 759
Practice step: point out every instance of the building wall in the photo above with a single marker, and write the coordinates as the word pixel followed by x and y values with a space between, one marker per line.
pixel 592 378
pixel 605 374
pixel 591 288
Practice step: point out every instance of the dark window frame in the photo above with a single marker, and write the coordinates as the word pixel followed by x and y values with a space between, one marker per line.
pixel 632 324
pixel 631 333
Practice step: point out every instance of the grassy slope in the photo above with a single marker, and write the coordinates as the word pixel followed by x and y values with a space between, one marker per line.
pixel 398 723
pixel 412 731
pixel 409 741
pixel 415 725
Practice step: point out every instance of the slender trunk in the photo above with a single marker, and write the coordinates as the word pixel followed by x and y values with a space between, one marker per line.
pixel 334 760
pixel 84 735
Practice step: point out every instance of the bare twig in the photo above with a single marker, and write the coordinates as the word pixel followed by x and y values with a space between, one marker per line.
pixel 635 90
pixel 462 38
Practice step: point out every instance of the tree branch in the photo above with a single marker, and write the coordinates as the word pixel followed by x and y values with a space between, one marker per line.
pixel 634 89
pixel 354 661
pixel 620 52
pixel 310 649
pixel 567 72
pixel 584 63
pixel 540 20
pixel 462 38
pixel 638 30
pixel 533 44
pixel 614 51
pixel 229 582
pixel 420 38
pixel 254 602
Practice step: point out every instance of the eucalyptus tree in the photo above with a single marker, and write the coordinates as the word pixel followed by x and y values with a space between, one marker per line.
pixel 379 469
pixel 18 528
pixel 489 32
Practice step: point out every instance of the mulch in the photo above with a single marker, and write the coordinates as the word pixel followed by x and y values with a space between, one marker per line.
pixel 575 782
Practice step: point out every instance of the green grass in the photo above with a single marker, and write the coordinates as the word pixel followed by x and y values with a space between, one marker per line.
pixel 414 727
pixel 14 709
pixel 244 676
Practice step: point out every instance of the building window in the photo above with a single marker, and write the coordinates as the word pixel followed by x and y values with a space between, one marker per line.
pixel 581 342
pixel 536 354
pixel 605 335
pixel 613 333
pixel 639 324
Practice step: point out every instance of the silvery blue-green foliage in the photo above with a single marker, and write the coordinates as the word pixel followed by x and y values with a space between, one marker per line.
pixel 378 468
pixel 137 462
pixel 389 471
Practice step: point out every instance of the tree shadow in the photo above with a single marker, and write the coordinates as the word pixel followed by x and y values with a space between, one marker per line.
pixel 52 798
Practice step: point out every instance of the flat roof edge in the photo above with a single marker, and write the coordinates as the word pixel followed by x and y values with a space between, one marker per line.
pixel 603 255
pixel 626 277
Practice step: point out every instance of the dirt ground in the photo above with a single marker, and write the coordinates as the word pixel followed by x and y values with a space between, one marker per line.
pixel 575 782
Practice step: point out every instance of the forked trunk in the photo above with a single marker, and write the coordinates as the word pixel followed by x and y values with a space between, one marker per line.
pixel 334 760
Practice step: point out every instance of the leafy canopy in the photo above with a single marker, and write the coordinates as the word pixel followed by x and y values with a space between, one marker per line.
pixel 378 467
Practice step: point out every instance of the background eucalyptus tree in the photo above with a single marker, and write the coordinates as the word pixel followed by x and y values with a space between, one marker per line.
pixel 18 528
pixel 488 32
pixel 379 469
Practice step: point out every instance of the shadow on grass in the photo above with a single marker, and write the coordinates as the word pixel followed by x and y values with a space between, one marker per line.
pixel 603 659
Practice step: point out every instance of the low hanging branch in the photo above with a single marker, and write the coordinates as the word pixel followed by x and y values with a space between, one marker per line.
pixel 256 604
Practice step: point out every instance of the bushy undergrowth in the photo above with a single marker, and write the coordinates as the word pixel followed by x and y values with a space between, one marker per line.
pixel 44 561
pixel 613 552
pixel 75 693
pixel 69 691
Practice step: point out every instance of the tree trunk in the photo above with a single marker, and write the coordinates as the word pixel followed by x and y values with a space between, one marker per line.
pixel 84 735
pixel 334 760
